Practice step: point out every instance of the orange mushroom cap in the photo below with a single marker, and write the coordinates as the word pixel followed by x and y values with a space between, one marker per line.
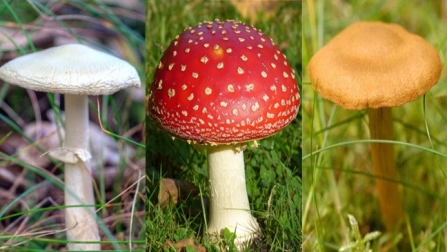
pixel 373 65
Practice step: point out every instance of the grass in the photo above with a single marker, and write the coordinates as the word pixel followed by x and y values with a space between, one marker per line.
pixel 273 170
pixel 31 201
pixel 336 163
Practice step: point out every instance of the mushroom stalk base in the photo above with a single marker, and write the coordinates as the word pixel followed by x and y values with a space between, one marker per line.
pixel 229 206
pixel 384 167
pixel 80 221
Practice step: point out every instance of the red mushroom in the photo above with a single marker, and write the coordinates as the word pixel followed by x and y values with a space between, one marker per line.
pixel 221 84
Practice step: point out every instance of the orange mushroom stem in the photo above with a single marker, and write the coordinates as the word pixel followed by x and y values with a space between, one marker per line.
pixel 384 167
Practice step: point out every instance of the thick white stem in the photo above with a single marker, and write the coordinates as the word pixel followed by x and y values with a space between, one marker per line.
pixel 229 206
pixel 80 221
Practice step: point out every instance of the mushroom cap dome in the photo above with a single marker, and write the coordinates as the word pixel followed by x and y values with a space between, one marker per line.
pixel 374 64
pixel 223 82
pixel 71 69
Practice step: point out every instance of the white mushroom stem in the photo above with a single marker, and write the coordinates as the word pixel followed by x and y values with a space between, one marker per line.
pixel 384 167
pixel 229 206
pixel 80 221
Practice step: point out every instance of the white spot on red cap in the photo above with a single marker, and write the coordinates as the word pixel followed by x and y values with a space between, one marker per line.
pixel 171 92
pixel 208 91
pixel 255 107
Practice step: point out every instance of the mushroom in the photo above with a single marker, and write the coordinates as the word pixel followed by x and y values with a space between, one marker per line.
pixel 376 66
pixel 76 71
pixel 221 84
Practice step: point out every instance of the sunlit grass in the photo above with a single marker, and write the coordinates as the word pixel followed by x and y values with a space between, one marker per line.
pixel 336 156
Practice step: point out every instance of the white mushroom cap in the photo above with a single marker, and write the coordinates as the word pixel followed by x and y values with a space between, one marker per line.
pixel 71 69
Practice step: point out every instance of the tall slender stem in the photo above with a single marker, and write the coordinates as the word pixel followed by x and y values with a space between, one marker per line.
pixel 384 167
pixel 80 221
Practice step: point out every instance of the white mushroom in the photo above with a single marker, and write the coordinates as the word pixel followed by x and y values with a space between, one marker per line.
pixel 76 71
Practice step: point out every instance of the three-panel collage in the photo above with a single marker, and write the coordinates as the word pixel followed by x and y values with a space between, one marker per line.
pixel 223 125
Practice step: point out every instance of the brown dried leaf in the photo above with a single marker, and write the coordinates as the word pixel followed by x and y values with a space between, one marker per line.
pixel 104 151
pixel 173 190
pixel 45 135
pixel 181 246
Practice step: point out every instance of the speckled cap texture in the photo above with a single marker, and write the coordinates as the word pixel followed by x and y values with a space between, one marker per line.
pixel 223 82
pixel 373 65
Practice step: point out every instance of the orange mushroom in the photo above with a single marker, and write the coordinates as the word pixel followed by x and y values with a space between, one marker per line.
pixel 377 66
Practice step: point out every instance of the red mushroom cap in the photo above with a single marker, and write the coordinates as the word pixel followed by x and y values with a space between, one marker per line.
pixel 223 82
